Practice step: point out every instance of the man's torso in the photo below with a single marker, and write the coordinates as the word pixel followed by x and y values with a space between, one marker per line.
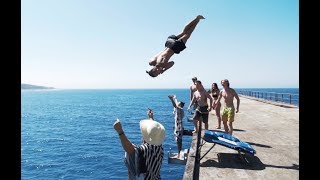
pixel 228 95
pixel 201 98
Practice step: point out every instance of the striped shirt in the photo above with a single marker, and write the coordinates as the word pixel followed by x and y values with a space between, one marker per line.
pixel 145 163
pixel 178 116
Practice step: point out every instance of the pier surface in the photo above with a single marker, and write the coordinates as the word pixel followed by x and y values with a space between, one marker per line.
pixel 271 129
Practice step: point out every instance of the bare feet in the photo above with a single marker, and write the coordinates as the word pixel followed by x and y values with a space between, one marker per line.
pixel 176 156
pixel 218 127
pixel 200 17
pixel 194 131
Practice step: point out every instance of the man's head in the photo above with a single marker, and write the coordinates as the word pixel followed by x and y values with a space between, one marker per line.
pixel 154 72
pixel 152 132
pixel 181 104
pixel 199 85
pixel 225 82
pixel 194 79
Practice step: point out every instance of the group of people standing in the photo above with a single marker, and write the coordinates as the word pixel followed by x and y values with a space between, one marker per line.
pixel 199 100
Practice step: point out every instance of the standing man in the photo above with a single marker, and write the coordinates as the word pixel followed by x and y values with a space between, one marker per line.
pixel 201 96
pixel 178 117
pixel 228 112
pixel 193 89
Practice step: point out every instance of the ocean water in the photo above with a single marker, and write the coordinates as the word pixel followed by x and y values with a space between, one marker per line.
pixel 68 134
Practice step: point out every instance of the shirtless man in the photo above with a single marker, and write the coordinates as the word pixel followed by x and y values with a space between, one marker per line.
pixel 174 45
pixel 201 96
pixel 193 89
pixel 228 112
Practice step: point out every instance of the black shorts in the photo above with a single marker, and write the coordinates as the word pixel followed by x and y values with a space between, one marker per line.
pixel 175 44
pixel 202 111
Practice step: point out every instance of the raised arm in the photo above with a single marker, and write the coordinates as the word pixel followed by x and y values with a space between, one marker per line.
pixel 125 142
pixel 173 100
pixel 150 113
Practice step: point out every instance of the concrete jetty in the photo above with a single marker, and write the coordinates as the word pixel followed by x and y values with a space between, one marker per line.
pixel 272 129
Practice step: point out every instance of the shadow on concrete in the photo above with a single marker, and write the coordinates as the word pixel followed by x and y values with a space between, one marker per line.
pixel 232 160
pixel 294 166
pixel 238 130
pixel 260 145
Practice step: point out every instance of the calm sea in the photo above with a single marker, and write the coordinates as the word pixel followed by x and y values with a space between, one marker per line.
pixel 68 134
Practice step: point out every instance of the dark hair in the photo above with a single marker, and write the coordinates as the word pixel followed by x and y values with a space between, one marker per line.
pixel 215 85
pixel 182 104
pixel 150 73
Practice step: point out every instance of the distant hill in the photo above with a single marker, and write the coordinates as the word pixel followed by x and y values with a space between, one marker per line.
pixel 29 86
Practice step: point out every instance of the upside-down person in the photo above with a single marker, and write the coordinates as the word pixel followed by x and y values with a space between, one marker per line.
pixel 174 45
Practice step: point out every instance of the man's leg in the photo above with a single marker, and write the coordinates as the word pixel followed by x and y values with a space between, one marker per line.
pixel 188 29
pixel 196 121
pixel 230 120
pixel 230 128
pixel 217 109
pixel 224 118
pixel 205 118
pixel 196 125
pixel 225 125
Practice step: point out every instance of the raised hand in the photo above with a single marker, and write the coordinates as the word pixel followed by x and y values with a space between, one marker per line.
pixel 117 126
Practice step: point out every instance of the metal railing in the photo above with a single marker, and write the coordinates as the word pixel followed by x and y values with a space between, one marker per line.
pixel 273 96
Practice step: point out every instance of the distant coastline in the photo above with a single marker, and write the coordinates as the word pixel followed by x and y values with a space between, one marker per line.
pixel 30 86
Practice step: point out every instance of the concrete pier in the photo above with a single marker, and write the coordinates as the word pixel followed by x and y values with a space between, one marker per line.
pixel 272 129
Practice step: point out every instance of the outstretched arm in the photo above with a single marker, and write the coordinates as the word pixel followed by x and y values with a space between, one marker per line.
pixel 191 103
pixel 150 113
pixel 174 102
pixel 167 66
pixel 126 144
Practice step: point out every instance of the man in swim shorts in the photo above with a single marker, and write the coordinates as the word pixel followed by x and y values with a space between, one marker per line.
pixel 174 45
pixel 201 96
pixel 228 112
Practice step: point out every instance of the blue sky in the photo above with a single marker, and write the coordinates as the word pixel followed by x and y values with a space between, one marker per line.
pixel 101 44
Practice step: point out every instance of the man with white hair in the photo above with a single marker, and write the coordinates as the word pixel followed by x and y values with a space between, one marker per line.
pixel 228 112
pixel 143 161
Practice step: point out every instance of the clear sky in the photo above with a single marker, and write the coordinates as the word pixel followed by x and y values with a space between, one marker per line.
pixel 101 44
